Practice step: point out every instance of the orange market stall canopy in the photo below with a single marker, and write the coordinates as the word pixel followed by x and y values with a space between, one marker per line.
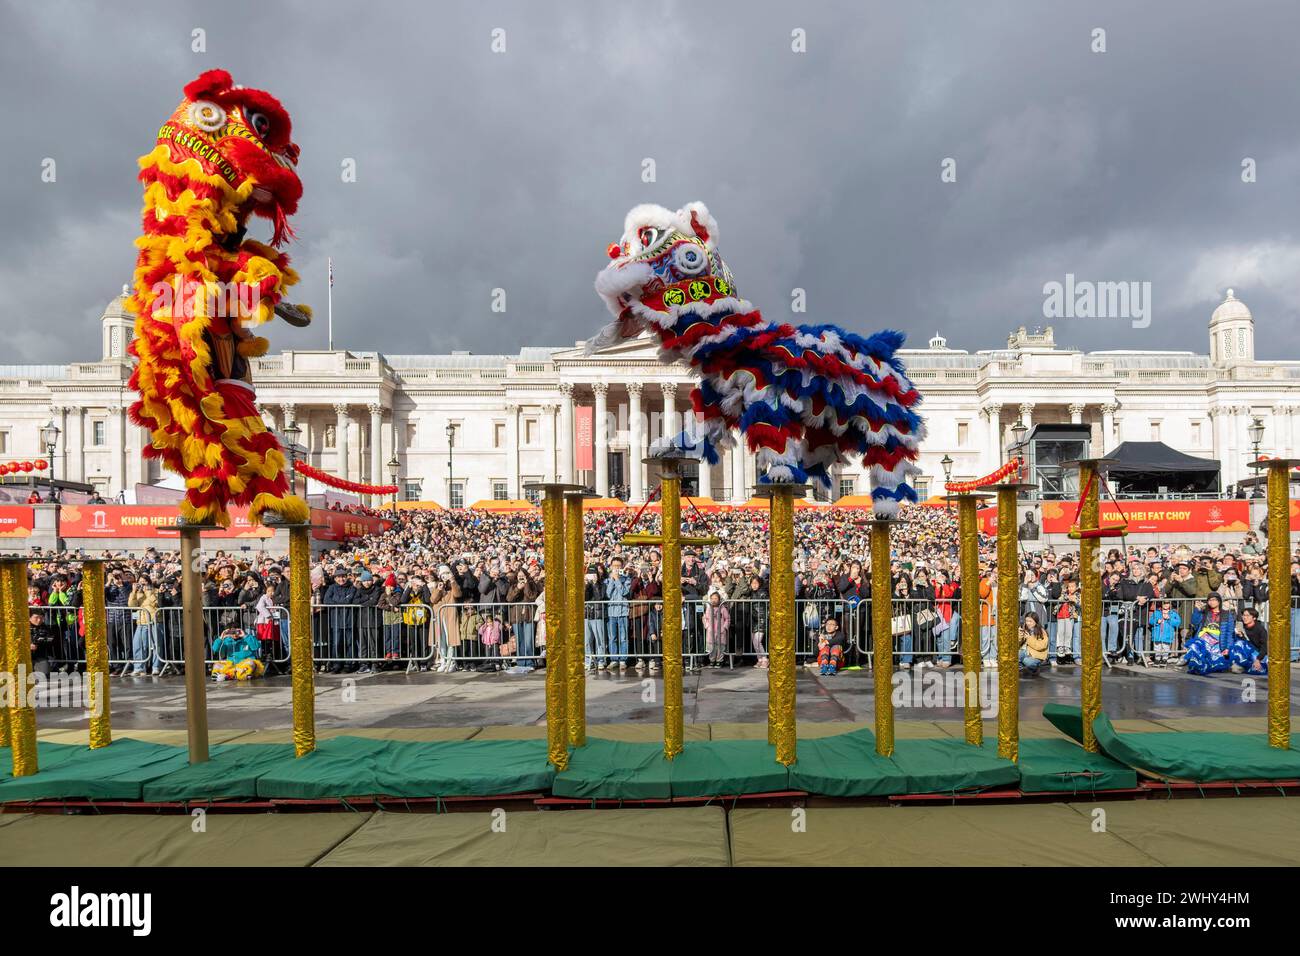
pixel 503 504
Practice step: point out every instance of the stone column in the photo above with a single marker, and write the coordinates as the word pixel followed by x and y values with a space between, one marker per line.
pixel 558 458
pixel 993 434
pixel 1107 428
pixel 59 467
pixel 737 466
pixel 1027 417
pixel 1076 413
pixel 636 444
pixel 512 451
pixel 342 422
pixel 670 426
pixel 1290 451
pixel 600 437
pixel 706 480
pixel 376 448
pixel 116 450
pixel 1219 449
pixel 1241 445
pixel 565 448
pixel 75 440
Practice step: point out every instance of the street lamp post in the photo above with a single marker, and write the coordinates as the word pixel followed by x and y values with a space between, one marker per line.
pixel 50 439
pixel 451 442
pixel 1255 431
pixel 946 462
pixel 394 467
pixel 291 435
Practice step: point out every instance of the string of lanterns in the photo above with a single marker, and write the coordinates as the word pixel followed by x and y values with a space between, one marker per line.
pixel 356 487
pixel 966 487
pixel 23 467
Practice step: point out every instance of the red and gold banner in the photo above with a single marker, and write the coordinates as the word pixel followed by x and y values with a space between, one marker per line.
pixel 144 521
pixel 16 521
pixel 1144 516
pixel 583 425
pixel 342 525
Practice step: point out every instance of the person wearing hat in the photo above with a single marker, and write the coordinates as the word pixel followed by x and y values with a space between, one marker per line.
pixel 368 618
pixel 340 599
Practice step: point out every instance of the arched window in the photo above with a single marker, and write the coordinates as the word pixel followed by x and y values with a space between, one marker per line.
pixel 1241 343
pixel 1227 345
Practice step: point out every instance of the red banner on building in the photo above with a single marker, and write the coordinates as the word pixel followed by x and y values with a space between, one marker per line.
pixel 342 525
pixel 584 438
pixel 143 521
pixel 1144 516
pixel 16 521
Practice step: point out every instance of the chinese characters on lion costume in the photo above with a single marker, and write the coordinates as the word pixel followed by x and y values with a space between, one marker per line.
pixel 803 397
pixel 200 287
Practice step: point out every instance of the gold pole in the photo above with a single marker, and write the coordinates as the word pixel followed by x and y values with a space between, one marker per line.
pixel 781 662
pixel 1279 607
pixel 1090 601
pixel 1008 627
pixel 574 620
pixel 6 737
pixel 92 599
pixel 671 486
pixel 557 737
pixel 196 687
pixel 301 665
pixel 882 637
pixel 968 545
pixel 18 659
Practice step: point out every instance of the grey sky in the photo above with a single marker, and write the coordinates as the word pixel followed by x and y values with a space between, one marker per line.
pixel 479 170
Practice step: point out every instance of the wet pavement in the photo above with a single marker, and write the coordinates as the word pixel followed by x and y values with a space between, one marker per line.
pixel 474 700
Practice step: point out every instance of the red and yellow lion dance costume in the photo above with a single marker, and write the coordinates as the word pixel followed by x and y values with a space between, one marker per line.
pixel 224 155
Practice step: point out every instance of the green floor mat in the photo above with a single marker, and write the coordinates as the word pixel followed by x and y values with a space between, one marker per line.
pixel 613 769
pixel 1062 766
pixel 945 836
pixel 355 766
pixel 1200 757
pixel 231 773
pixel 846 766
pixel 133 839
pixel 680 836
pixel 727 768
pixel 950 765
pixel 116 772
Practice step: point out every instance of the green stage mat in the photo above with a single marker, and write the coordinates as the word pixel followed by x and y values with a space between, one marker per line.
pixel 840 765
pixel 116 772
pixel 681 836
pixel 1186 756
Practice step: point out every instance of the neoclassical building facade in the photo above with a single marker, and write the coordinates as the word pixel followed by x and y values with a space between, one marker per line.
pixel 463 427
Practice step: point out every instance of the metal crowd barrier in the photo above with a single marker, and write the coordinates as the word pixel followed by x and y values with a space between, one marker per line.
pixel 348 635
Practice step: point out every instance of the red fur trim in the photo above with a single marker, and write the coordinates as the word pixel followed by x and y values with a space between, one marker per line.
pixel 209 85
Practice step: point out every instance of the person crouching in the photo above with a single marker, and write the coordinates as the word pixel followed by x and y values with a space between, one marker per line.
pixel 830 648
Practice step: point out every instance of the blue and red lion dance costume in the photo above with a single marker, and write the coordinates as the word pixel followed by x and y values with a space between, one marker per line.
pixel 804 397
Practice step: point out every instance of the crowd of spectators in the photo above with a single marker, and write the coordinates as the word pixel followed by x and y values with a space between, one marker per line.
pixel 465 590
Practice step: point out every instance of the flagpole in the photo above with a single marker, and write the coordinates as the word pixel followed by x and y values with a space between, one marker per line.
pixel 330 302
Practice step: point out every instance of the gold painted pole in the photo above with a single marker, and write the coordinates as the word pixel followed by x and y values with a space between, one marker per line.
pixel 1090 604
pixel 1279 605
pixel 557 732
pixel 1008 627
pixel 6 736
pixel 18 661
pixel 968 552
pixel 574 620
pixel 882 636
pixel 671 514
pixel 781 662
pixel 92 600
pixel 302 668
pixel 196 686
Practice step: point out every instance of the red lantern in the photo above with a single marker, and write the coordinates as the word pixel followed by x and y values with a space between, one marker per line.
pixel 26 466
pixel 41 464
pixel 4 469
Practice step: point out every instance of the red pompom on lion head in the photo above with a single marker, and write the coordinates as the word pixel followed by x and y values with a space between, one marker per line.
pixel 243 136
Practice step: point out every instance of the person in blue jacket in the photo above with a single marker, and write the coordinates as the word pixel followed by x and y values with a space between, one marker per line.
pixel 1249 653
pixel 1164 623
pixel 618 588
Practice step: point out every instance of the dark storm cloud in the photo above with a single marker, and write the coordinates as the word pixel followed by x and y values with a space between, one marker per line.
pixel 478 171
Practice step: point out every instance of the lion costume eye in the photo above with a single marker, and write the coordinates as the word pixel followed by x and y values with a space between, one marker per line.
pixel 207 116
pixel 260 124
pixel 648 236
